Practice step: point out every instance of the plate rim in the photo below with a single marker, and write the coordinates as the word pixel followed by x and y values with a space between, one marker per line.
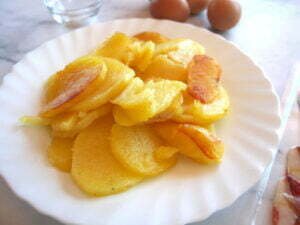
pixel 200 217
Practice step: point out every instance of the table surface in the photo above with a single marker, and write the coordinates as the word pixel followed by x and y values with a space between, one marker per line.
pixel 268 32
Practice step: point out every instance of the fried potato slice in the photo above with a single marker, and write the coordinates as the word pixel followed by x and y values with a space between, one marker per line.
pixel 64 122
pixel 122 117
pixel 71 123
pixel 193 141
pixel 117 47
pixel 173 110
pixel 60 153
pixel 155 37
pixel 165 68
pixel 94 168
pixel 141 101
pixel 203 114
pixel 203 77
pixel 135 147
pixel 171 58
pixel 181 49
pixel 142 55
pixel 75 82
pixel 165 153
pixel 130 51
pixel 34 121
pixel 118 77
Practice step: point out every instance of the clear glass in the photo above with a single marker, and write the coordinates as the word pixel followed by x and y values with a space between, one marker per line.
pixel 73 12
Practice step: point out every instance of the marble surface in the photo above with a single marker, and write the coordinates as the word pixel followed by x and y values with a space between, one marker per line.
pixel 268 32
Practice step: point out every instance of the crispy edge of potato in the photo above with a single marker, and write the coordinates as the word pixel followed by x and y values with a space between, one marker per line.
pixel 177 136
pixel 209 144
pixel 201 114
pixel 203 78
pixel 73 94
pixel 53 84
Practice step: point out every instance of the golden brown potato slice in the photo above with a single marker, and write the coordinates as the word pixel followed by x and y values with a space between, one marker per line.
pixel 94 168
pixel 118 77
pixel 135 147
pixel 71 123
pixel 193 141
pixel 172 111
pixel 141 101
pixel 164 67
pixel 171 58
pixel 117 47
pixel 142 55
pixel 75 82
pixel 165 153
pixel 203 77
pixel 180 49
pixel 122 117
pixel 34 121
pixel 64 122
pixel 155 37
pixel 203 114
pixel 130 51
pixel 60 153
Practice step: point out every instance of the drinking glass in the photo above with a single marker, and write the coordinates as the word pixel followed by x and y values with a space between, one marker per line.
pixel 73 11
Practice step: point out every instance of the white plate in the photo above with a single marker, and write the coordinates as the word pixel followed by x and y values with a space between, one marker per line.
pixel 187 193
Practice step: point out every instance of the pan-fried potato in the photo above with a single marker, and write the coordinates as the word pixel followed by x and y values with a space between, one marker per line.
pixel 117 78
pixel 64 122
pixel 165 153
pixel 203 78
pixel 142 55
pixel 34 121
pixel 60 153
pixel 140 102
pixel 155 37
pixel 163 67
pixel 203 114
pixel 94 168
pixel 72 123
pixel 193 141
pixel 117 47
pixel 172 111
pixel 171 59
pixel 71 85
pixel 128 109
pixel 134 147
pixel 130 51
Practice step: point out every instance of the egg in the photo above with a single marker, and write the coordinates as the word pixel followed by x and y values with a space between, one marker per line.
pixel 177 10
pixel 223 14
pixel 197 6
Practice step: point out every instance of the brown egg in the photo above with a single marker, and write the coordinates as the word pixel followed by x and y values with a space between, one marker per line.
pixel 197 6
pixel 178 10
pixel 223 14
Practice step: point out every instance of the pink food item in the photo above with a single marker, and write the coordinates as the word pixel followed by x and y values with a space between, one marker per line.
pixel 286 203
